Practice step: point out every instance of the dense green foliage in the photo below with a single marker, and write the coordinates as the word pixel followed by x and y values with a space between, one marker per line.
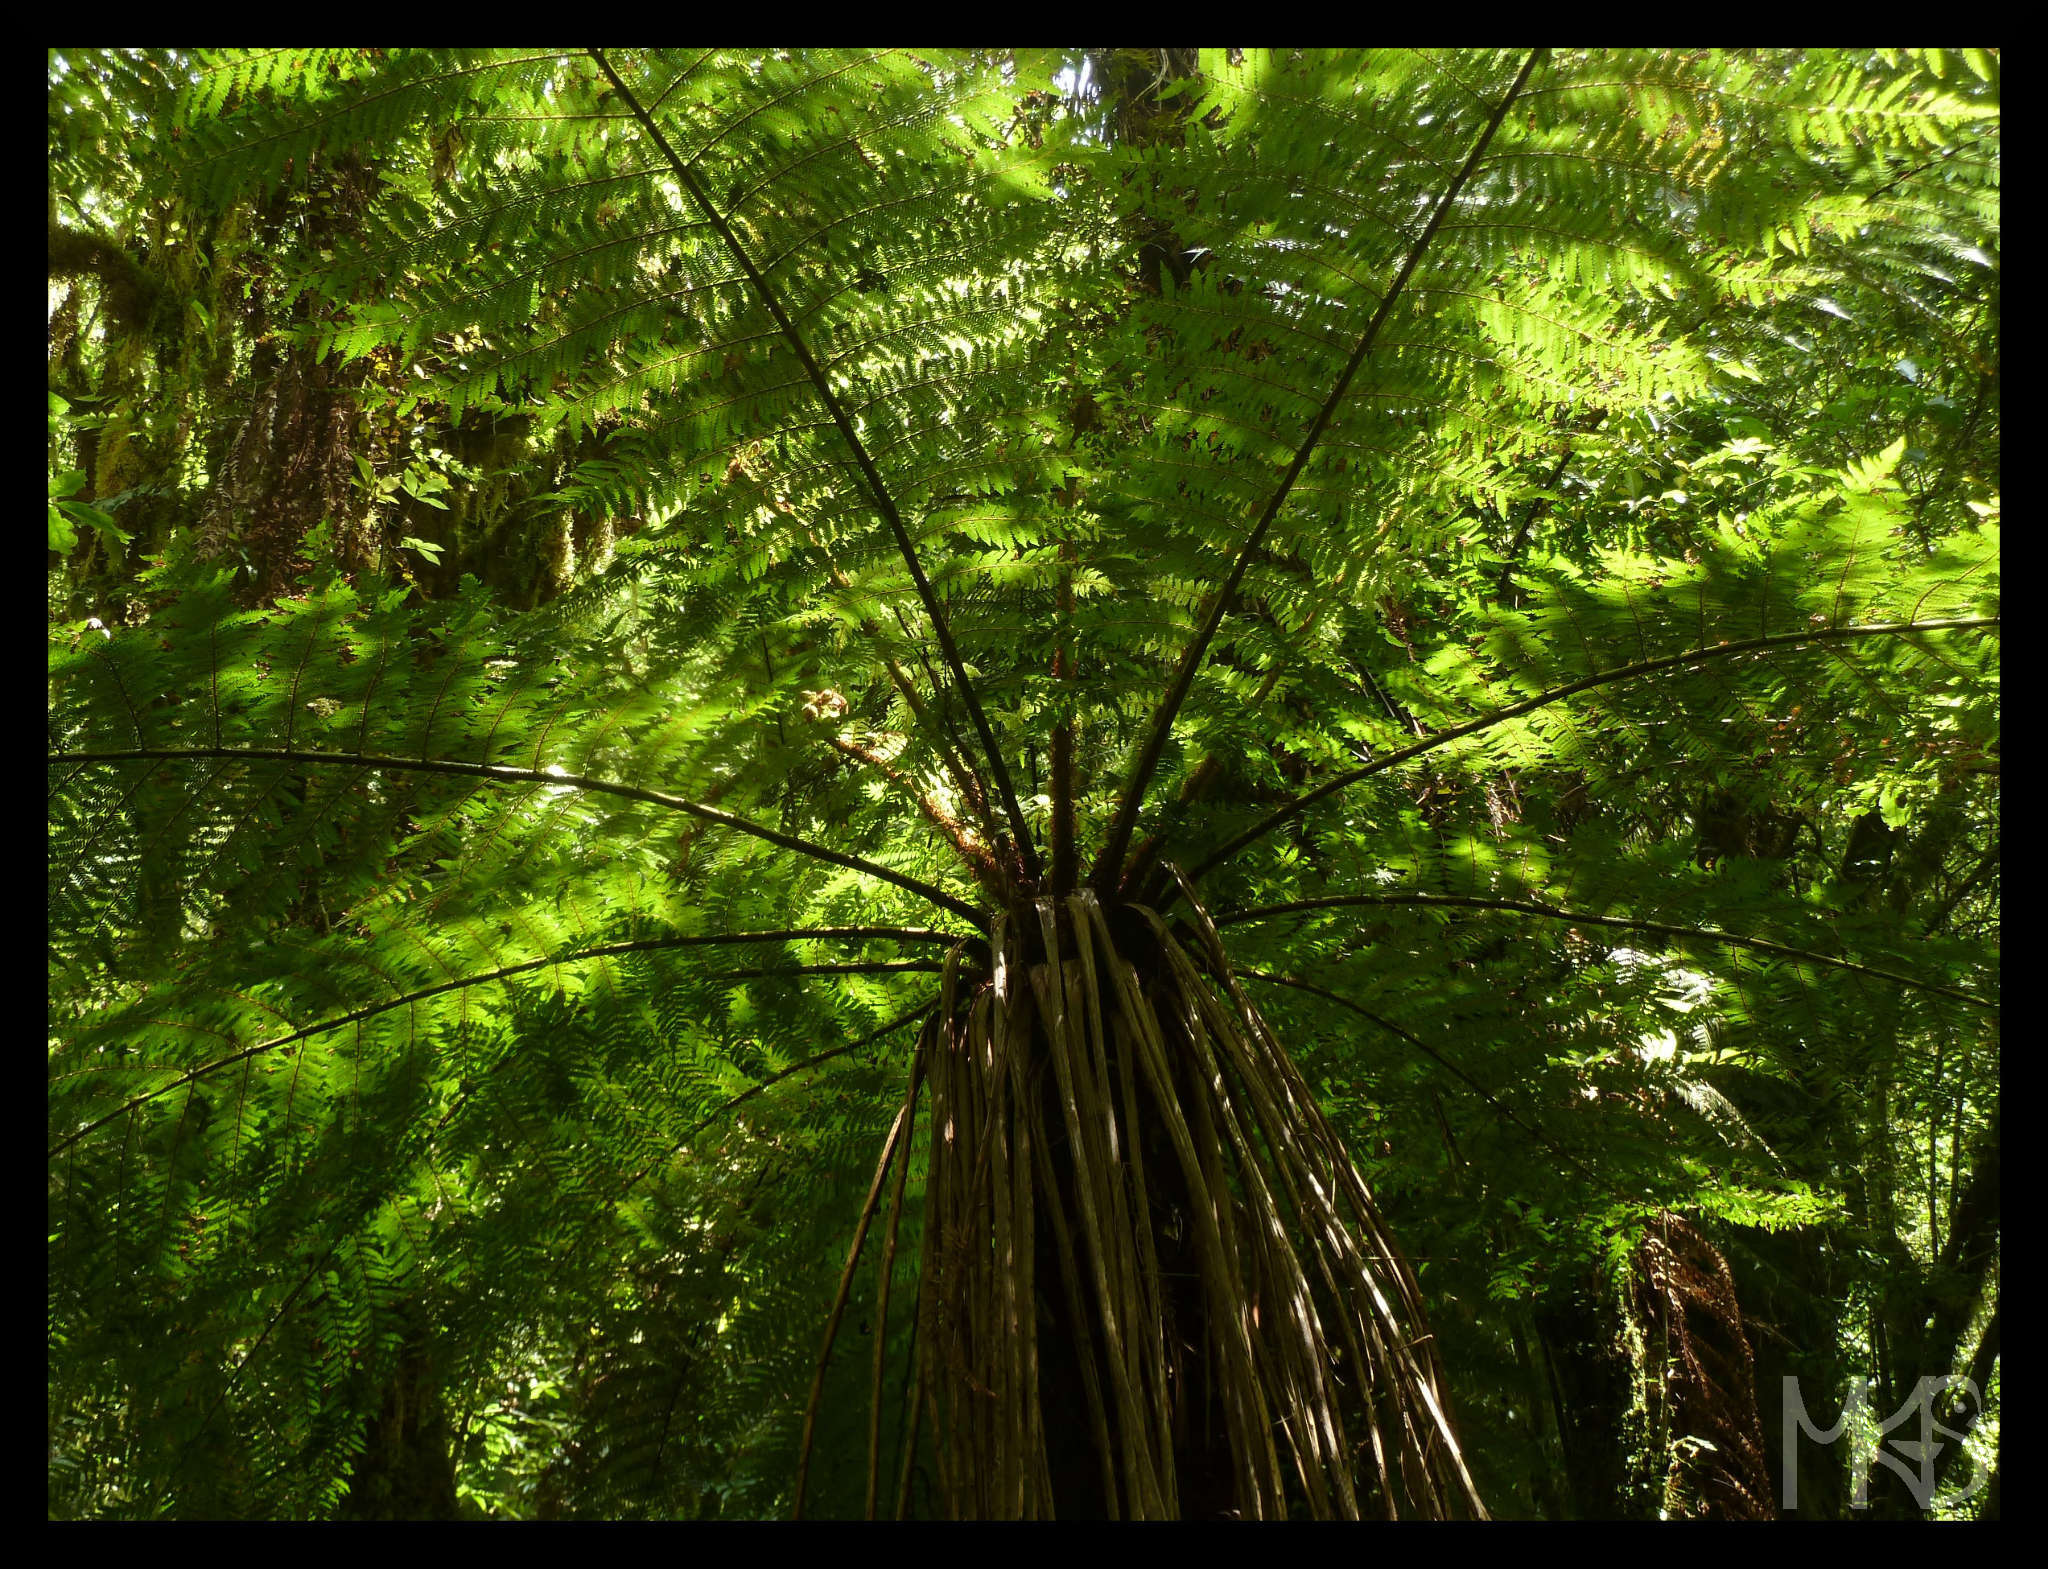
pixel 577 578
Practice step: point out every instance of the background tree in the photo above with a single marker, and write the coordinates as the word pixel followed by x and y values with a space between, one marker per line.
pixel 565 565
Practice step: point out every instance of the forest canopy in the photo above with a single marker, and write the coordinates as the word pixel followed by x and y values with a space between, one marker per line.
pixel 1126 783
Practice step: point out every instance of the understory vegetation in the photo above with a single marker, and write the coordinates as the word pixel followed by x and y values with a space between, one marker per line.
pixel 1135 783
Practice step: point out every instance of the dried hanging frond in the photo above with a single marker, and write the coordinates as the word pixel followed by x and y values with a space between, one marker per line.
pixel 1684 1297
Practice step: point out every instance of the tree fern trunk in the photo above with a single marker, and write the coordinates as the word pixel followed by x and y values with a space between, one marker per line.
pixel 1154 1286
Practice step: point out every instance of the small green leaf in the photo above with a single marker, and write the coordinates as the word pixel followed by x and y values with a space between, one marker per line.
pixel 93 518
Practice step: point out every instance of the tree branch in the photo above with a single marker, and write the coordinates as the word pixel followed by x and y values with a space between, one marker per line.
pixel 1586 918
pixel 884 502
pixel 1557 694
pixel 1107 873
pixel 505 774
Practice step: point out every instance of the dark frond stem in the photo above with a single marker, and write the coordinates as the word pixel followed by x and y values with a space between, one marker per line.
pixel 897 1130
pixel 919 934
pixel 944 742
pixel 922 1010
pixel 882 1282
pixel 899 934
pixel 1501 1108
pixel 1107 874
pixel 970 781
pixel 884 501
pixel 234 1378
pixel 1146 879
pixel 1558 694
pixel 1985 865
pixel 847 967
pixel 774 1079
pixel 938 729
pixel 1064 867
pixel 1063 863
pixel 669 1153
pixel 510 775
pixel 1586 918
pixel 1505 584
pixel 370 1011
pixel 911 1419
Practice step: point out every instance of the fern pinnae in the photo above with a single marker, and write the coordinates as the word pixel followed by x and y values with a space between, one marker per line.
pixel 1628 923
pixel 392 927
pixel 991 752
pixel 511 775
pixel 1569 689
pixel 1109 863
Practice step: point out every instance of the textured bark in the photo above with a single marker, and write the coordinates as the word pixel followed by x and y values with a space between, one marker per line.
pixel 1153 1285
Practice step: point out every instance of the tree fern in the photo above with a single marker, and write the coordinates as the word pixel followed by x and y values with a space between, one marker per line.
pixel 1083 608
